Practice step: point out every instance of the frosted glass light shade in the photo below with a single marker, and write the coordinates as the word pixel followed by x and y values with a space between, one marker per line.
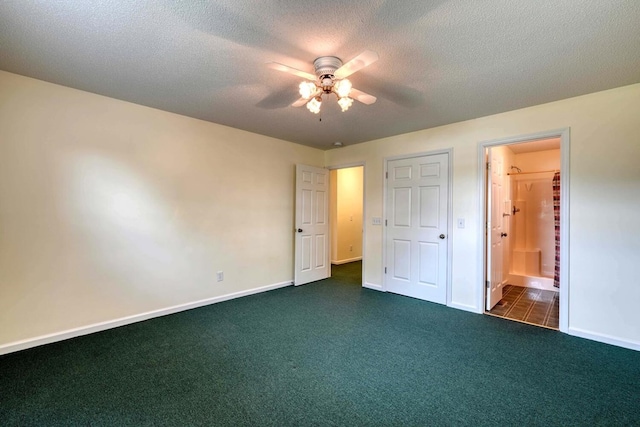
pixel 307 89
pixel 345 103
pixel 314 105
pixel 343 88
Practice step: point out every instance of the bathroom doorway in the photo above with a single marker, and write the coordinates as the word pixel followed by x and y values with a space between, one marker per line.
pixel 346 216
pixel 523 233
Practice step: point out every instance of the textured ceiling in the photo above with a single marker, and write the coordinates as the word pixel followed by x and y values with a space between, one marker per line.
pixel 440 61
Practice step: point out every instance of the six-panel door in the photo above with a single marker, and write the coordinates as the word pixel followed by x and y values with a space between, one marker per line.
pixel 417 227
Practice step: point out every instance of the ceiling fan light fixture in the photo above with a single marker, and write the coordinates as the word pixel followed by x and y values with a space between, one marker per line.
pixel 330 77
pixel 326 82
pixel 343 88
pixel 307 89
pixel 314 105
pixel 345 103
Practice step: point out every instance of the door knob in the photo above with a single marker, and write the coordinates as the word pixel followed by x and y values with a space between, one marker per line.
pixel 503 234
pixel 299 230
pixel 441 236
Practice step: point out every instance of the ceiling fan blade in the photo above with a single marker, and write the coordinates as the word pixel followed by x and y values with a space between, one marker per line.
pixel 397 93
pixel 279 98
pixel 300 102
pixel 294 71
pixel 359 95
pixel 366 58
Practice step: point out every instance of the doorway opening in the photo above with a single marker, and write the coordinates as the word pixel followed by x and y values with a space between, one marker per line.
pixel 526 221
pixel 346 217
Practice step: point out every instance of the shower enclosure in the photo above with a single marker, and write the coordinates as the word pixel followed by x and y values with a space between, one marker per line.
pixel 532 231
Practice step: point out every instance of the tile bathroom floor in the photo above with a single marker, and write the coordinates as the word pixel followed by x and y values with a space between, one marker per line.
pixel 536 306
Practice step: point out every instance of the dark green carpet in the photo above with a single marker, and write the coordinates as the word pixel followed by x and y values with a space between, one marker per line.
pixel 329 353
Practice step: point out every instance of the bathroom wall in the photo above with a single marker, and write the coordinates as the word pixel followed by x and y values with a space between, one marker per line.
pixel 539 160
pixel 533 195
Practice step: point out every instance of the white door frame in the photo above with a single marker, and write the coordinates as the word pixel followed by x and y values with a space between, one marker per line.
pixel 449 239
pixel 364 211
pixel 564 135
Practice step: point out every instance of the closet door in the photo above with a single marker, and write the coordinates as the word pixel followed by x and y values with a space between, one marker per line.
pixel 417 201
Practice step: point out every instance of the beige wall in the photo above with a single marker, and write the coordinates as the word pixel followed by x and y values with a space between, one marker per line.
pixel 110 209
pixel 604 203
pixel 346 234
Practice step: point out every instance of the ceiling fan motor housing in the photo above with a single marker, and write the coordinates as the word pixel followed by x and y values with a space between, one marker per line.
pixel 325 66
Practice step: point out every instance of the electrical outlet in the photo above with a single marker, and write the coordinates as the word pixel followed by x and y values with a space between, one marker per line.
pixel 460 222
pixel 220 276
pixel 350 248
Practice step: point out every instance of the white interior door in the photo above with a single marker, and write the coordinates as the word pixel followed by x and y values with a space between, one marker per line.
pixel 417 203
pixel 312 225
pixel 495 204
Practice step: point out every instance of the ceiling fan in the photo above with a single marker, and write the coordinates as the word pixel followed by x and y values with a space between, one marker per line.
pixel 331 77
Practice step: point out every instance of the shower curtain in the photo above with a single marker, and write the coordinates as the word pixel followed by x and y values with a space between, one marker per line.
pixel 556 223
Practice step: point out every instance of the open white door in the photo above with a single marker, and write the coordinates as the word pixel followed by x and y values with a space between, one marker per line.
pixel 417 206
pixel 495 233
pixel 312 225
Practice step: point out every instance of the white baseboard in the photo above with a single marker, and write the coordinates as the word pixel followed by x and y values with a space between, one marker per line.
pixel 536 282
pixel 464 307
pixel 603 338
pixel 373 286
pixel 102 326
pixel 346 261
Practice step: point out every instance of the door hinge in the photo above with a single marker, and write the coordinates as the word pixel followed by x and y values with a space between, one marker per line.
pixel 385 222
pixel 488 166
pixel 386 175
pixel 385 270
pixel 488 285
